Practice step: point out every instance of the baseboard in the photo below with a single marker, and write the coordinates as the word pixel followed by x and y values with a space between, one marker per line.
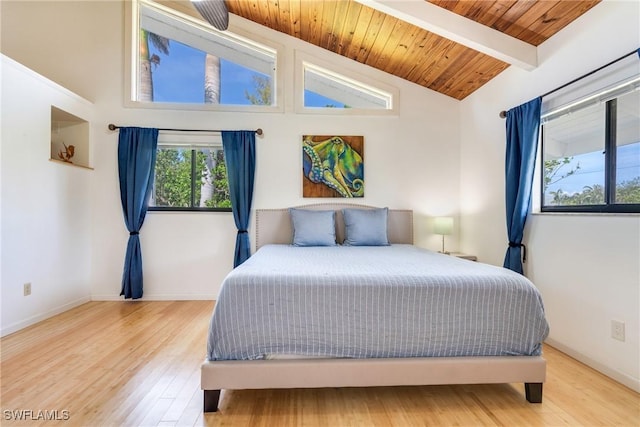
pixel 156 297
pixel 40 317
pixel 624 379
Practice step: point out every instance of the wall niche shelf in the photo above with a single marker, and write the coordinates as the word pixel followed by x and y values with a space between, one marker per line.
pixel 70 164
pixel 69 139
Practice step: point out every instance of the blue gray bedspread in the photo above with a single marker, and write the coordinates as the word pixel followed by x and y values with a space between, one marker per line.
pixel 369 302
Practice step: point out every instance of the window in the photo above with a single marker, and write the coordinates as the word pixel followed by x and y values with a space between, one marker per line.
pixel 190 174
pixel 591 151
pixel 326 89
pixel 181 60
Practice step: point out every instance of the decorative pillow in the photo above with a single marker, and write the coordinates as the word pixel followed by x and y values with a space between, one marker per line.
pixel 313 228
pixel 366 227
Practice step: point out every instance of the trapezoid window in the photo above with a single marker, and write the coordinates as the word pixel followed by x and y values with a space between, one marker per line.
pixel 180 60
pixel 326 89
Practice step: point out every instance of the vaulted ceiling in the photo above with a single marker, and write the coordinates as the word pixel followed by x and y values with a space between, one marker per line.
pixel 451 46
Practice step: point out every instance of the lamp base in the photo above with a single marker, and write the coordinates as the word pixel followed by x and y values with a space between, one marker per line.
pixel 443 251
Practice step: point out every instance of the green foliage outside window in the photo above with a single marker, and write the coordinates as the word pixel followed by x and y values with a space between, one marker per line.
pixel 176 180
pixel 627 192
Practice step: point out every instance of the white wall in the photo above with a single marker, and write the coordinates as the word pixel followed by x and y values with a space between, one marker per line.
pixel 411 160
pixel 586 266
pixel 45 205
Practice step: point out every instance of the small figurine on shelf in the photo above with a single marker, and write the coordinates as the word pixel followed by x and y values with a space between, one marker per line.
pixel 67 154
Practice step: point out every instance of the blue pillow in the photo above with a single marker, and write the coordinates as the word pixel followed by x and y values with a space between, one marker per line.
pixel 313 228
pixel 366 227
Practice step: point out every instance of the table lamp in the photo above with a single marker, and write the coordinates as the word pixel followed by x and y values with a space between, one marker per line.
pixel 443 225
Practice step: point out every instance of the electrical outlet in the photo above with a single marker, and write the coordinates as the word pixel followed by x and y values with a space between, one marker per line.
pixel 617 330
pixel 27 289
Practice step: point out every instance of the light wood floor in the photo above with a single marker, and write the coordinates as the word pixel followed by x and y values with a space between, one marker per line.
pixel 137 364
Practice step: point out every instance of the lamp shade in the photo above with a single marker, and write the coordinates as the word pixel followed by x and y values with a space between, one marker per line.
pixel 443 225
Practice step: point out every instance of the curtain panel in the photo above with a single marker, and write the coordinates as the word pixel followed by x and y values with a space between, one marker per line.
pixel 136 164
pixel 240 158
pixel 523 124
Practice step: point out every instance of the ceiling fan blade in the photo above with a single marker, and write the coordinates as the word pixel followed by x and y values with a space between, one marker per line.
pixel 215 12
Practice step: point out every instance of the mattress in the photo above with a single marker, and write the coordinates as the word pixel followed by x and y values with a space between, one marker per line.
pixel 373 302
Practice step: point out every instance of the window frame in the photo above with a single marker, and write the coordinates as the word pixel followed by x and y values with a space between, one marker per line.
pixel 347 73
pixel 132 31
pixel 610 152
pixel 193 148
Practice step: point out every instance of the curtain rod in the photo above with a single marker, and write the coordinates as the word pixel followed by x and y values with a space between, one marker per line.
pixel 115 127
pixel 503 113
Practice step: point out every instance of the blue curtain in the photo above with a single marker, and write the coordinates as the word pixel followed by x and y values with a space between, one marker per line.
pixel 136 163
pixel 240 157
pixel 523 123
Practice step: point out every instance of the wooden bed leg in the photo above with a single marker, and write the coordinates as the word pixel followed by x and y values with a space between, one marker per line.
pixel 533 392
pixel 211 399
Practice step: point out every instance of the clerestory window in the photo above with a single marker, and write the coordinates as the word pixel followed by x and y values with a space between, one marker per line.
pixel 180 60
pixel 327 89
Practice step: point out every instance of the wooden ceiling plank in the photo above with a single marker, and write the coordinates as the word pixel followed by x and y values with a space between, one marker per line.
pixel 380 23
pixel 364 21
pixel 261 10
pixel 485 12
pixel 393 46
pixel 439 60
pixel 461 89
pixel 305 20
pixel 445 4
pixel 427 69
pixel 519 28
pixel 339 18
pixel 254 11
pixel 273 6
pixel 418 55
pixel 417 65
pixel 416 51
pixel 406 48
pixel 497 11
pixel 477 10
pixel 456 66
pixel 284 17
pixel 461 30
pixel 471 78
pixel 378 45
pixel 238 8
pixel 349 29
pixel 326 24
pixel 295 19
pixel 554 19
pixel 315 21
pixel 460 7
pixel 512 15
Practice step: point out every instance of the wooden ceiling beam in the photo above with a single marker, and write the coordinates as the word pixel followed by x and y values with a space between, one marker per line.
pixel 460 29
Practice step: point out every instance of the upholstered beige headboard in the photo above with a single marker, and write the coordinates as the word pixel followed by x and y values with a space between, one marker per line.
pixel 273 226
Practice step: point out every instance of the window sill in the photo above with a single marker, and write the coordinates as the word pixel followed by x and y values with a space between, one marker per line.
pixel 632 214
pixel 188 210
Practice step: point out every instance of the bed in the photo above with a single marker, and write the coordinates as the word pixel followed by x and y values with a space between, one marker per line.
pixel 317 316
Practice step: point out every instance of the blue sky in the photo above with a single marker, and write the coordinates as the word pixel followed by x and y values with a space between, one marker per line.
pixel 180 78
pixel 592 169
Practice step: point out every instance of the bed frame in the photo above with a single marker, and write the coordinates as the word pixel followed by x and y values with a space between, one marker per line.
pixel 274 226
